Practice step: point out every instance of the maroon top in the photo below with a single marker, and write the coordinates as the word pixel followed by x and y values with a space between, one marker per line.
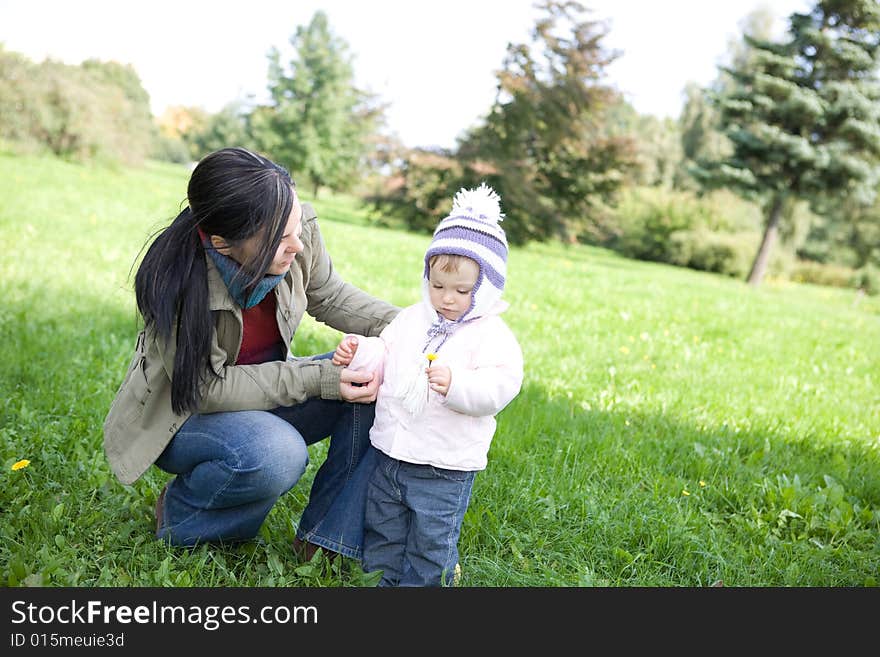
pixel 260 338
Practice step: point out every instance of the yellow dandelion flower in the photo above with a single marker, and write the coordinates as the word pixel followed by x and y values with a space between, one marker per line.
pixel 685 492
pixel 432 358
pixel 20 465
pixel 702 484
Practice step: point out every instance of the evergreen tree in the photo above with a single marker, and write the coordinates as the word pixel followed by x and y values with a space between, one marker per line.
pixel 318 123
pixel 701 135
pixel 803 115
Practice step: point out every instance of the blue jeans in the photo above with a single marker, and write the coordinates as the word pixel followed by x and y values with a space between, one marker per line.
pixel 413 520
pixel 232 467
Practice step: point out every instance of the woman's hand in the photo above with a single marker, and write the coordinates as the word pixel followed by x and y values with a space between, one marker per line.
pixel 360 387
pixel 345 351
pixel 439 378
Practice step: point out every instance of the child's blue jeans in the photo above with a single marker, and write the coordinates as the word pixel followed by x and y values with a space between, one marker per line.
pixel 413 520
pixel 232 467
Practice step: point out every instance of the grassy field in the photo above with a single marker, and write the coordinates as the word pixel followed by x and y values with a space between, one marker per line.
pixel 674 429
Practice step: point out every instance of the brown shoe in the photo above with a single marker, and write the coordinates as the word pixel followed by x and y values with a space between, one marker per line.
pixel 160 508
pixel 305 550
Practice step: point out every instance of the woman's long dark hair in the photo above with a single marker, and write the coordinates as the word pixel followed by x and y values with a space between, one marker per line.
pixel 235 194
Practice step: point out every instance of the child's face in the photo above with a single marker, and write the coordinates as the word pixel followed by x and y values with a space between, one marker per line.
pixel 450 291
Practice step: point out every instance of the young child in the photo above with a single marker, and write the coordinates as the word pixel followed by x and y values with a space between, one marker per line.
pixel 447 364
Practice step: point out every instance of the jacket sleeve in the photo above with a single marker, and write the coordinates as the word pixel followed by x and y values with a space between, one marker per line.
pixel 496 378
pixel 370 356
pixel 258 387
pixel 330 299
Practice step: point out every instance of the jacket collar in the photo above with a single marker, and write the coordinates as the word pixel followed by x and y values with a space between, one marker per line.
pixel 218 294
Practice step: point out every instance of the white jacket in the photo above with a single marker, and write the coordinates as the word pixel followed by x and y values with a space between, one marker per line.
pixel 455 431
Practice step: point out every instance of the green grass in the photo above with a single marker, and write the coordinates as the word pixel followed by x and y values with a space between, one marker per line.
pixel 674 429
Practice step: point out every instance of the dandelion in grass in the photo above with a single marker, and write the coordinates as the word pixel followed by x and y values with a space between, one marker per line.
pixel 702 484
pixel 685 492
pixel 20 465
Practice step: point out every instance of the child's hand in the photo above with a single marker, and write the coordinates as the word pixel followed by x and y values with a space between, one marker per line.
pixel 439 378
pixel 345 351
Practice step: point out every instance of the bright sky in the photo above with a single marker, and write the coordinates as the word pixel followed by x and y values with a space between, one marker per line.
pixel 433 61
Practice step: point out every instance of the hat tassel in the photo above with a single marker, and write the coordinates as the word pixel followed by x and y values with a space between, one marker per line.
pixel 413 388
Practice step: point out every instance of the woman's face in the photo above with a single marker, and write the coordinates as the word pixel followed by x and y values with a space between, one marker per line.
pixel 289 246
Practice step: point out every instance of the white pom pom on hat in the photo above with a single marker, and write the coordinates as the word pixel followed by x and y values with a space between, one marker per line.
pixel 481 203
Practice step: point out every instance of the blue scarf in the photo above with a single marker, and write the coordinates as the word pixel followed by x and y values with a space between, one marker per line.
pixel 230 272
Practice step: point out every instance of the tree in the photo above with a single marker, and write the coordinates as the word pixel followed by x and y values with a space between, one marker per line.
pixel 98 110
pixel 701 139
pixel 177 121
pixel 317 122
pixel 802 116
pixel 418 193
pixel 228 127
pixel 701 136
pixel 557 159
pixel 658 145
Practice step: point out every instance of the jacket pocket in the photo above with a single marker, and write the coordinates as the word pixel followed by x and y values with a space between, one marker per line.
pixel 131 397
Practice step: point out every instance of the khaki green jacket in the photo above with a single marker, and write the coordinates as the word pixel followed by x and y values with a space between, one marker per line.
pixel 140 422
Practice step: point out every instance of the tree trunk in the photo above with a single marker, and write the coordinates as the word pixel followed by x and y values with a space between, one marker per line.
pixel 762 258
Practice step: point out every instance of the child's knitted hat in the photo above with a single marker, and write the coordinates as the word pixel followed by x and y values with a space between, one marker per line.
pixel 472 229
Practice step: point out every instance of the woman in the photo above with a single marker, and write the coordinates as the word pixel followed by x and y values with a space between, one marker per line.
pixel 211 395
